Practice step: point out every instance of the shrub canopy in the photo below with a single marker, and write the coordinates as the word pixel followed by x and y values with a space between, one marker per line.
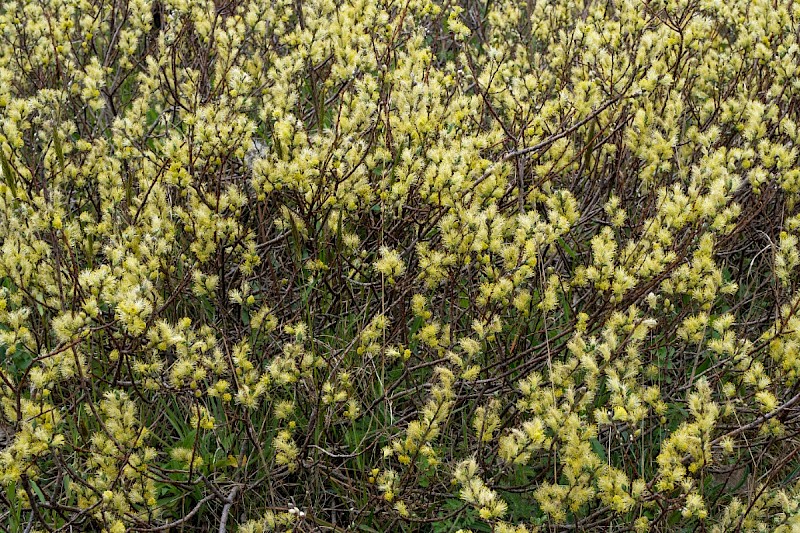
pixel 399 265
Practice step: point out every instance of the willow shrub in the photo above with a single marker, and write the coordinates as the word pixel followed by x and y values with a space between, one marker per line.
pixel 399 265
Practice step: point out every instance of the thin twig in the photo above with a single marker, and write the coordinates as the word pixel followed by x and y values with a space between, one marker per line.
pixel 223 520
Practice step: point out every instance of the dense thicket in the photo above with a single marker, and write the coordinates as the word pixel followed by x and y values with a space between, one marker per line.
pixel 399 265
